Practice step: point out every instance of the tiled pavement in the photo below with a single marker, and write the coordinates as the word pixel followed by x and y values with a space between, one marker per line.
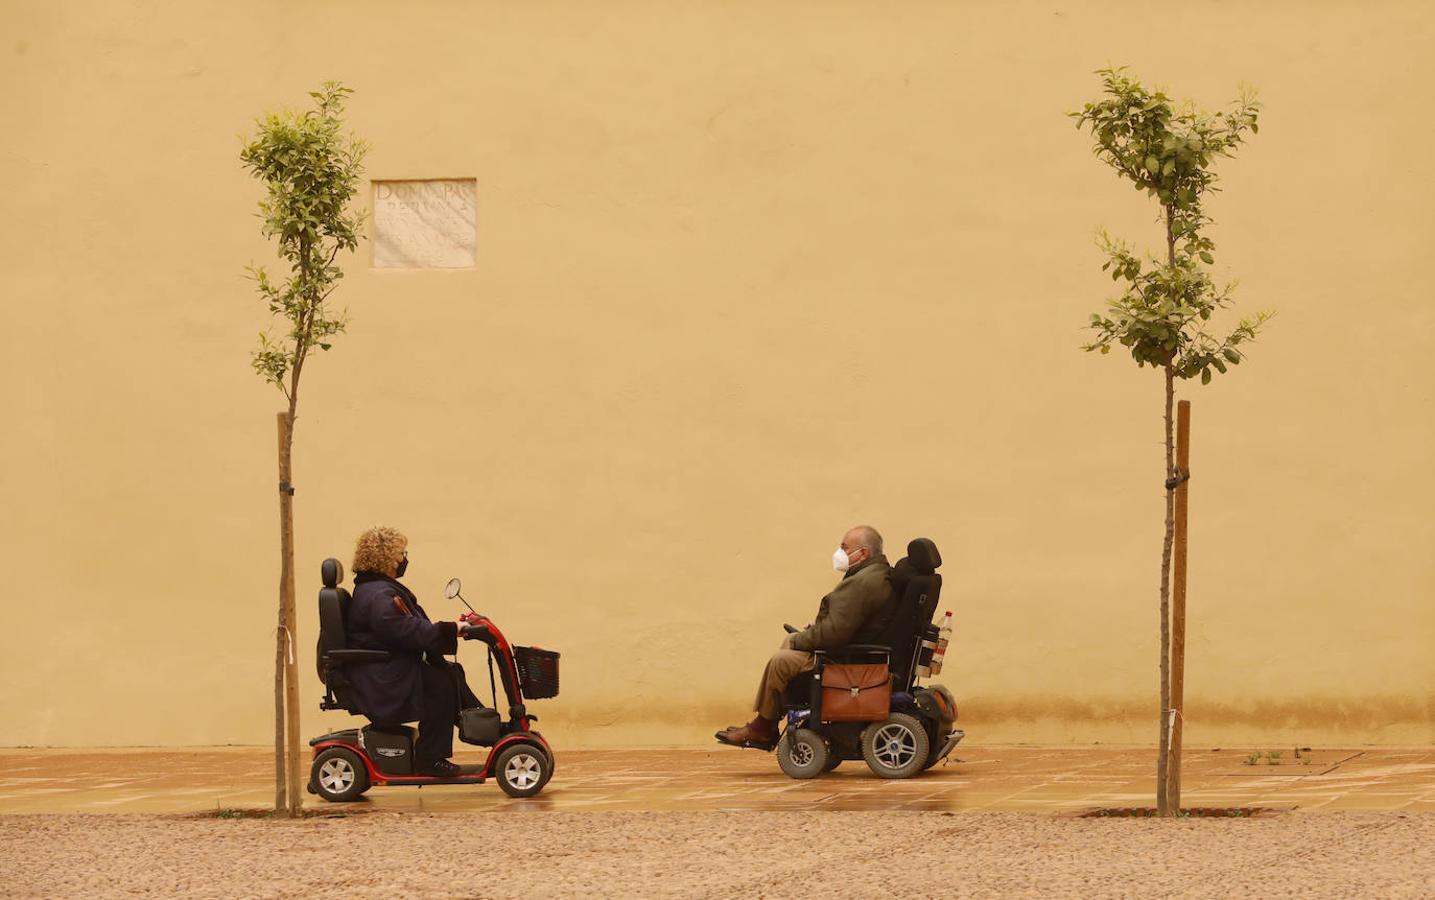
pixel 1048 780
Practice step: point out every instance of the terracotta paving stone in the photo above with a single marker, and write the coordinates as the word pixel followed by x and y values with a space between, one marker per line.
pixel 1060 780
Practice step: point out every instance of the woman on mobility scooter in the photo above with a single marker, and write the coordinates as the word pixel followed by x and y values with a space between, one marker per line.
pixel 416 682
pixel 380 656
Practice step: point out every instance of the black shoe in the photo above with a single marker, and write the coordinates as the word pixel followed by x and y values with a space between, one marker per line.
pixel 442 769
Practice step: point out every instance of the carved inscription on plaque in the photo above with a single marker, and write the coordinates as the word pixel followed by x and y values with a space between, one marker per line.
pixel 425 224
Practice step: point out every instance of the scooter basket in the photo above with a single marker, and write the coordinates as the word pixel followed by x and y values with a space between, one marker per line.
pixel 537 672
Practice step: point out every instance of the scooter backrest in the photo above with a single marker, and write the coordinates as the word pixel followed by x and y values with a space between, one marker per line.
pixel 332 601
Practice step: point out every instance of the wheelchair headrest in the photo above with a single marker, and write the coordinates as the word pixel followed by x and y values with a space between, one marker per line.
pixel 923 554
pixel 332 572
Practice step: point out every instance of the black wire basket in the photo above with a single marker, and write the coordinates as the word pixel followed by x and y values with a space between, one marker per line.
pixel 537 672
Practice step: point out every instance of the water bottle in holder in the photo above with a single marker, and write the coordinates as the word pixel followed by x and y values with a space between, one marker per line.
pixel 924 655
pixel 944 635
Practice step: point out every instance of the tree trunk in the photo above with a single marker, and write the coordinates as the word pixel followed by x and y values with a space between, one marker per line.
pixel 281 793
pixel 1162 806
pixel 287 749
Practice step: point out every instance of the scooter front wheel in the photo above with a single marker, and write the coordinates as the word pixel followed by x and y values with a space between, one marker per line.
pixel 522 770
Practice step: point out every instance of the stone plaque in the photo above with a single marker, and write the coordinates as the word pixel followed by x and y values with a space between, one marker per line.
pixel 425 224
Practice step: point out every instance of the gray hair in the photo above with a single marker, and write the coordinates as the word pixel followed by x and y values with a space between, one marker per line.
pixel 868 537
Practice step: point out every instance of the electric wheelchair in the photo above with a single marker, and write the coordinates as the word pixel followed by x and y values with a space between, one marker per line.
pixel 349 761
pixel 918 729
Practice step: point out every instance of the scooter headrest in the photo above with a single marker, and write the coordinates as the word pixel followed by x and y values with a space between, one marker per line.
pixel 923 554
pixel 332 571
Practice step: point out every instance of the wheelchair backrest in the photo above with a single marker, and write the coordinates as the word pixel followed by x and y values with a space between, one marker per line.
pixel 916 587
pixel 333 603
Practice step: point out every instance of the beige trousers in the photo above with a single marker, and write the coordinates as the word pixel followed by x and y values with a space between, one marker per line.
pixel 785 665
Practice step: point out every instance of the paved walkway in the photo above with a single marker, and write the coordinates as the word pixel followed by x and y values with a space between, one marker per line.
pixel 1050 780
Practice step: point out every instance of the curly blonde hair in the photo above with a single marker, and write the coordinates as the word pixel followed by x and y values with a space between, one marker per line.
pixel 380 549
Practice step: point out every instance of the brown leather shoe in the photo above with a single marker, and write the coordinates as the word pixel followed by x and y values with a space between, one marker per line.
pixel 760 733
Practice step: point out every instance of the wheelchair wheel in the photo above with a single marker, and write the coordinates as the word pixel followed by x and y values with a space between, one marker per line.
pixel 802 753
pixel 338 775
pixel 522 770
pixel 896 748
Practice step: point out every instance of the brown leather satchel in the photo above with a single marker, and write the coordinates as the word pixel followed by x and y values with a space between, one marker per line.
pixel 853 692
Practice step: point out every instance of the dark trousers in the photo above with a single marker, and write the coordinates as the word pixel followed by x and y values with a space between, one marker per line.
pixel 445 693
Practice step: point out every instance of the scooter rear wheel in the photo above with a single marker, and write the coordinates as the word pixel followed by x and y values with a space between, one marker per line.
pixel 338 775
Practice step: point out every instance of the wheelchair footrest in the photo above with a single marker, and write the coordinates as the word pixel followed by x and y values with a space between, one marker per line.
pixel 952 741
pixel 750 745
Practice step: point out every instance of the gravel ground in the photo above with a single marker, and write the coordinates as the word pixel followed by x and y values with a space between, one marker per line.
pixel 717 854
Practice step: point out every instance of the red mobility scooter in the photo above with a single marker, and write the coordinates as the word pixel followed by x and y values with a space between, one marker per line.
pixel 348 762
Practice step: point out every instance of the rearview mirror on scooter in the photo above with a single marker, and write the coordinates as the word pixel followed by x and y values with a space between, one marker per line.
pixel 452 589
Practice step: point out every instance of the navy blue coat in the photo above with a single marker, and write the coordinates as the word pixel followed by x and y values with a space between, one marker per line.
pixel 385 615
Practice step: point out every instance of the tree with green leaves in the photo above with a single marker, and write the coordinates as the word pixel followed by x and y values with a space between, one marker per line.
pixel 310 169
pixel 1167 151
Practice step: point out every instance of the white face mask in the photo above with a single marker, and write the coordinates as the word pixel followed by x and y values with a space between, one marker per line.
pixel 839 560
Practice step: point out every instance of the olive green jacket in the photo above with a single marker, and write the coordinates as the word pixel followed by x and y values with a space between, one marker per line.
pixel 856 600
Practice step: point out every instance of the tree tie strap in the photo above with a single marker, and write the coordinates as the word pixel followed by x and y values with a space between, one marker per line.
pixel 1182 476
pixel 286 488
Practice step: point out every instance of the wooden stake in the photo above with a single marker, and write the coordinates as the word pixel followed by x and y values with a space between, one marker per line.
pixel 1178 605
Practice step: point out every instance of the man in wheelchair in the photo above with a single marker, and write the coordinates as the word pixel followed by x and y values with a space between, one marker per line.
pixel 854 691
pixel 855 612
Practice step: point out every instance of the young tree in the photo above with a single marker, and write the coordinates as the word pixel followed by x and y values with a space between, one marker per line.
pixel 1160 316
pixel 311 171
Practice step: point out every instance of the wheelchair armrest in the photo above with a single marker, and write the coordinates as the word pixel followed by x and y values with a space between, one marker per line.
pixel 789 629
pixel 346 657
pixel 846 654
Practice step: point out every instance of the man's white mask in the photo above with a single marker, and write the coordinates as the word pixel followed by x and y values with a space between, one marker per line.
pixel 839 560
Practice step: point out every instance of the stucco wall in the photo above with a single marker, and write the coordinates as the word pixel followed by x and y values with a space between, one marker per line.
pixel 747 274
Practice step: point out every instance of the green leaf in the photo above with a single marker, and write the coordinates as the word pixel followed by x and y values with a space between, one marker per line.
pixel 1207 258
pixel 1153 165
pixel 1232 356
pixel 1205 376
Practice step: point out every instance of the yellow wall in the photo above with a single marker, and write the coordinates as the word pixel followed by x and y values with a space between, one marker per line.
pixel 748 274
